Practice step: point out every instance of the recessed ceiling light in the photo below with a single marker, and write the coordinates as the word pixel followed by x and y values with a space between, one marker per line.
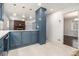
pixel 30 17
pixel 51 9
pixel 23 16
pixel 14 14
pixel 76 19
pixel 39 4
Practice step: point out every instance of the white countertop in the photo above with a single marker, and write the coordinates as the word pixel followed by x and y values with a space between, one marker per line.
pixel 3 33
pixel 22 30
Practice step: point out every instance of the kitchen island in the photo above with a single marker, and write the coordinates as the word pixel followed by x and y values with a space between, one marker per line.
pixel 18 38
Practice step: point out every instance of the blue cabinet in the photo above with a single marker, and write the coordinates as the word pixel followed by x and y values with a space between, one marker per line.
pixel 1 45
pixel 6 42
pixel 1 5
pixel 29 37
pixel 15 39
pixel 41 24
pixel 26 37
pixel 34 37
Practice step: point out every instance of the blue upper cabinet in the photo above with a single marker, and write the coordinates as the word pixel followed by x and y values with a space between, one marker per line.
pixel 1 12
pixel 41 24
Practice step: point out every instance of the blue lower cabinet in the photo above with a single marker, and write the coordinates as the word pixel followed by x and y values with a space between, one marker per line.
pixel 4 44
pixel 29 37
pixel 34 36
pixel 14 40
pixel 26 38
pixel 1 45
pixel 19 39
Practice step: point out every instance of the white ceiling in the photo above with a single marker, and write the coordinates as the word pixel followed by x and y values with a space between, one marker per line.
pixel 9 8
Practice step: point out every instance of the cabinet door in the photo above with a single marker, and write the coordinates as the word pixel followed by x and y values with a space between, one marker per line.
pixel 1 45
pixel 34 37
pixel 42 31
pixel 26 38
pixel 0 11
pixel 15 39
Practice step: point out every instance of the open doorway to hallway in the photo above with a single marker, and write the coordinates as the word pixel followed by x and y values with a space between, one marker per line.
pixel 71 28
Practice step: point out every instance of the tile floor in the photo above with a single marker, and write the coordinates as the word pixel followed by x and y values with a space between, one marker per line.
pixel 48 49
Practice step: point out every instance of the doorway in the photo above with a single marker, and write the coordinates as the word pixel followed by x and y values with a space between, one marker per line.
pixel 71 28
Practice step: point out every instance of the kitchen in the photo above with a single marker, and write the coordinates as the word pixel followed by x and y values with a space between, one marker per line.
pixel 22 32
pixel 23 25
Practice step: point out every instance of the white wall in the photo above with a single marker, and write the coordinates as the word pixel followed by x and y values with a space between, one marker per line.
pixel 5 23
pixel 1 25
pixel 11 24
pixel 54 27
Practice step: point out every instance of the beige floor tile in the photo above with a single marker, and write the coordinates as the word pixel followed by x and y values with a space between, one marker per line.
pixel 48 49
